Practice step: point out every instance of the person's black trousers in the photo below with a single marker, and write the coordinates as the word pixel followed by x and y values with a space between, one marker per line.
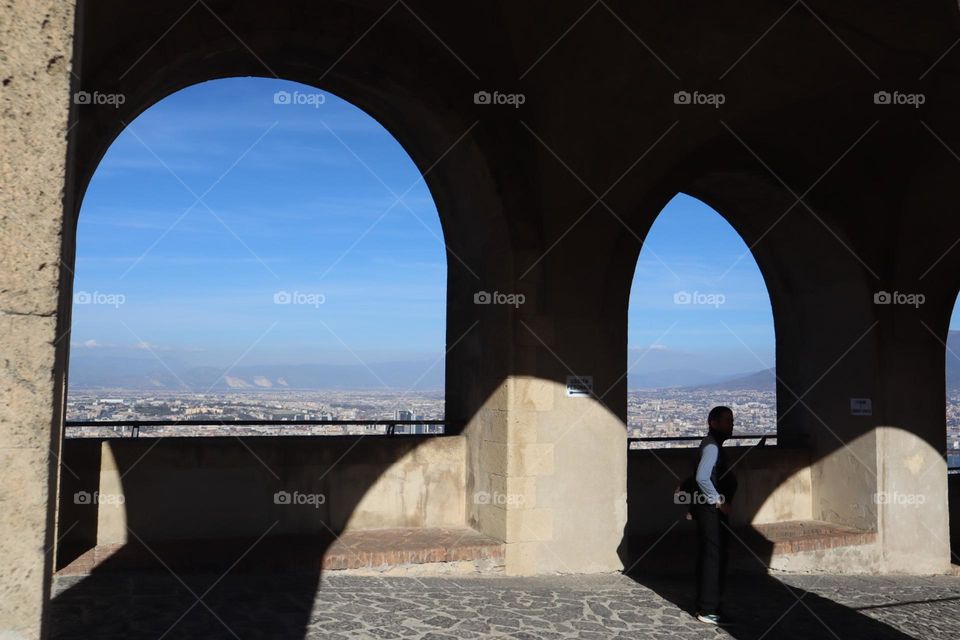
pixel 712 538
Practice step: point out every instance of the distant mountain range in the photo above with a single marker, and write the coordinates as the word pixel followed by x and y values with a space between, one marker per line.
pixel 667 378
pixel 765 380
pixel 94 371
pixel 698 380
pixel 116 372
pixel 91 371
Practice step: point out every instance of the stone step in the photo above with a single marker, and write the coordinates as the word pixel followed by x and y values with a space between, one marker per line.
pixel 797 536
pixel 752 547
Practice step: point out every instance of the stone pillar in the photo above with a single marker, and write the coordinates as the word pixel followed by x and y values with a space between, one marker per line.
pixel 549 477
pixel 827 337
pixel 912 511
pixel 512 465
pixel 36 48
pixel 912 514
pixel 882 469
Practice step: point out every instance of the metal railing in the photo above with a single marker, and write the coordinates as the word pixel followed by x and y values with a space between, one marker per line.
pixel 760 437
pixel 134 426
pixel 739 436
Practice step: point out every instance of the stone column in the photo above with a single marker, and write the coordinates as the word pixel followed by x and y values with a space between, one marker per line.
pixel 35 48
pixel 880 466
pixel 912 512
pixel 549 477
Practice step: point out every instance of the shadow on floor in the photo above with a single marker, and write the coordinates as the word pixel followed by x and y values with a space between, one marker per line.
pixel 157 604
pixel 759 605
pixel 199 587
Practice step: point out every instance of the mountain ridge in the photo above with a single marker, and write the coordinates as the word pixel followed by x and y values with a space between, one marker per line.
pixel 112 372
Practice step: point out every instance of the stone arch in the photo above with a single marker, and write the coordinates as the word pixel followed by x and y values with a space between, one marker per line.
pixel 809 265
pixel 444 141
pixel 780 233
pixel 448 148
pixel 737 252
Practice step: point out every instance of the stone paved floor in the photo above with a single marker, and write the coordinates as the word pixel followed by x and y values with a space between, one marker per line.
pixel 283 607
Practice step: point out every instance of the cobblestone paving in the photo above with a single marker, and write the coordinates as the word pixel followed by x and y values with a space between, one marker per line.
pixel 605 606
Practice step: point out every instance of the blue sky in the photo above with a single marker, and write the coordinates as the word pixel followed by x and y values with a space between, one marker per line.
pixel 300 199
pixel 698 299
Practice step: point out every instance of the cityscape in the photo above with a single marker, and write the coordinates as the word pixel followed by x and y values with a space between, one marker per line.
pixel 953 428
pixel 651 413
pixel 682 413
pixel 281 408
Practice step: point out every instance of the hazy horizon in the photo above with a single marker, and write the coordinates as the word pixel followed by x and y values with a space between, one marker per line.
pixel 226 227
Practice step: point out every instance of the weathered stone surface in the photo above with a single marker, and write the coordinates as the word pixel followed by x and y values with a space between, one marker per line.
pixel 838 195
pixel 35 59
pixel 546 608
pixel 35 49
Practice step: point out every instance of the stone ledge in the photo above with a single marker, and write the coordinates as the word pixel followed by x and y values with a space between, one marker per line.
pixel 378 549
pixel 394 547
pixel 798 536
pixel 754 547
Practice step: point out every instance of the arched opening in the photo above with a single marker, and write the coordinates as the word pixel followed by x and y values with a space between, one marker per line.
pixel 701 334
pixel 239 240
pixel 953 391
pixel 953 430
pixel 448 154
pixel 825 477
pixel 700 331
pixel 785 489
pixel 251 236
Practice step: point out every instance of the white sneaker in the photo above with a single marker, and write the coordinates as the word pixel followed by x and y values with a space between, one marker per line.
pixel 709 618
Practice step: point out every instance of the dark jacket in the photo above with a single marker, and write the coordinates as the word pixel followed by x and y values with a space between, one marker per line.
pixel 722 478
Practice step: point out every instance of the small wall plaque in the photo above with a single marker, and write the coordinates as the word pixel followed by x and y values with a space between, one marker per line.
pixel 579 386
pixel 861 407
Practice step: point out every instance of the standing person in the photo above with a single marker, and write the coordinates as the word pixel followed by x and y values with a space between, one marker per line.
pixel 711 509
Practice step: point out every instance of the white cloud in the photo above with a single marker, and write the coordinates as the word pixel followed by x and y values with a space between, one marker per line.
pixel 149 346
